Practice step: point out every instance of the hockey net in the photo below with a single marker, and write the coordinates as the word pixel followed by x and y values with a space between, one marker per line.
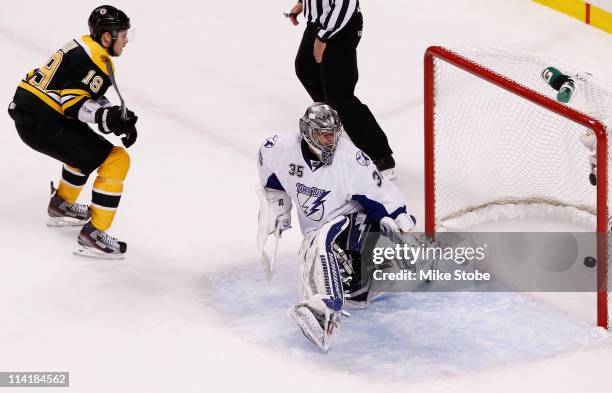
pixel 499 144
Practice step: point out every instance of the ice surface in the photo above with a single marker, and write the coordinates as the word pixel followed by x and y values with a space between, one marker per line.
pixel 404 336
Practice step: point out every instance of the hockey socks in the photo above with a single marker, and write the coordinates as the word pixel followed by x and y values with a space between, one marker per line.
pixel 71 184
pixel 108 187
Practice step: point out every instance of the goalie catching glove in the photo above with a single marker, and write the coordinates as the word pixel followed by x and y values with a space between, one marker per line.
pixel 110 120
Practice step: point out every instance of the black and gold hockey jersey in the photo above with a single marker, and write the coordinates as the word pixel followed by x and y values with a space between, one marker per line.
pixel 75 73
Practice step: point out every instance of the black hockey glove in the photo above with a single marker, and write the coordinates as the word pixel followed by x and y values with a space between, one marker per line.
pixel 111 120
pixel 130 137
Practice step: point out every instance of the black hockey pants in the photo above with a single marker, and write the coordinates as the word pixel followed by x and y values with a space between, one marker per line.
pixel 69 141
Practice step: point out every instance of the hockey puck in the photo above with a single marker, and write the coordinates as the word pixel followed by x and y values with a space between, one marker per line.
pixel 593 179
pixel 590 262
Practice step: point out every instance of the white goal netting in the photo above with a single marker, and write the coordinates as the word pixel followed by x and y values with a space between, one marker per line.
pixel 497 154
pixel 492 146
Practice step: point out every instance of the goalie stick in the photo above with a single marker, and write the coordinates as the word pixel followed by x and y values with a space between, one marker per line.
pixel 266 262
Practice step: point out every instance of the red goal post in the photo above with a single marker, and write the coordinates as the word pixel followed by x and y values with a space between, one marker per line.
pixel 434 57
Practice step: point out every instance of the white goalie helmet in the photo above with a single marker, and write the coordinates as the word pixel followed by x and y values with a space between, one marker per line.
pixel 321 129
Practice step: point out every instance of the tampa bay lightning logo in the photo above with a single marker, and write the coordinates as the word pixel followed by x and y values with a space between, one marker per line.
pixel 312 201
pixel 270 142
pixel 362 158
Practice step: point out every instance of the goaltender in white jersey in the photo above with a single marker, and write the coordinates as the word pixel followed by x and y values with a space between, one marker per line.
pixel 338 193
pixel 322 192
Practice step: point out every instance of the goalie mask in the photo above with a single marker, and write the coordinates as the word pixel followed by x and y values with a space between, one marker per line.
pixel 321 129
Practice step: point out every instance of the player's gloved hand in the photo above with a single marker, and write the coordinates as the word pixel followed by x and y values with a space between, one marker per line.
pixel 130 137
pixel 110 119
pixel 283 222
pixel 274 211
pixel 280 204
pixel 402 224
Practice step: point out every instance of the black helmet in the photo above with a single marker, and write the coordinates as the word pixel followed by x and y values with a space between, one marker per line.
pixel 107 18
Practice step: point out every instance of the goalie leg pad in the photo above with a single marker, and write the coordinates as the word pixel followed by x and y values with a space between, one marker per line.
pixel 320 279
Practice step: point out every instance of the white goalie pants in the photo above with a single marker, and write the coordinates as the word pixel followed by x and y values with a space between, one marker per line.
pixel 320 280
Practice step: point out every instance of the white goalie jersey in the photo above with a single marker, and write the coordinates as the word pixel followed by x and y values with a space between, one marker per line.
pixel 352 183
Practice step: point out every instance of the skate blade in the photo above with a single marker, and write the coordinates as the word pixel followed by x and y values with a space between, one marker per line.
pixel 88 252
pixel 58 222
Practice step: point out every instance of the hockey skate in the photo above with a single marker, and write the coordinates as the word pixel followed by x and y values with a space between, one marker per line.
pixel 95 243
pixel 62 213
pixel 317 329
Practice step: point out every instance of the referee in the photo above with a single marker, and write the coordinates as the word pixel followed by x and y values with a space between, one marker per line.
pixel 326 64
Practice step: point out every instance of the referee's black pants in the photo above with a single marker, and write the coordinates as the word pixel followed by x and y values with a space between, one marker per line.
pixel 333 82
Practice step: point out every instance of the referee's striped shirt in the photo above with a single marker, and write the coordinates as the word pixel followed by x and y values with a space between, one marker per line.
pixel 330 16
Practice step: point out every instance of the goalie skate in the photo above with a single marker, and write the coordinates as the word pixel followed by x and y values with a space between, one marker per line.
pixel 62 213
pixel 316 329
pixel 94 243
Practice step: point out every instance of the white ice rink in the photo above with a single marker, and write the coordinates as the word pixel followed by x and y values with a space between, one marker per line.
pixel 189 309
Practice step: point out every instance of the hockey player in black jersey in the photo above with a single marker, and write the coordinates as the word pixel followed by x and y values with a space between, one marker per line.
pixel 51 109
